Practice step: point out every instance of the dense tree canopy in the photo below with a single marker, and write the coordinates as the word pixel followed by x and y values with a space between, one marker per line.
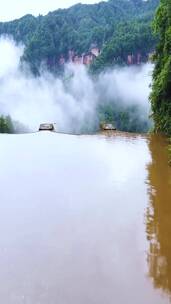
pixel 117 27
pixel 6 125
pixel 133 37
pixel 161 93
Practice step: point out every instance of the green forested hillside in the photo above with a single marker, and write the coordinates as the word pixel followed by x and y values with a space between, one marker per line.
pixel 161 93
pixel 117 27
pixel 131 37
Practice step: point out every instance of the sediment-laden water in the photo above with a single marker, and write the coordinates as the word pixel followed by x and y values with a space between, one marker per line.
pixel 84 219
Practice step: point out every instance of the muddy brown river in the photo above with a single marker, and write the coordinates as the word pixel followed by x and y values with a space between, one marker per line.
pixel 84 219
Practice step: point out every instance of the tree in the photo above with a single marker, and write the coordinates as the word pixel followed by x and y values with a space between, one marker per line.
pixel 6 125
pixel 49 37
pixel 161 88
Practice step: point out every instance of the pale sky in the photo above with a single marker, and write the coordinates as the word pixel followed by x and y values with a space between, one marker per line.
pixel 12 9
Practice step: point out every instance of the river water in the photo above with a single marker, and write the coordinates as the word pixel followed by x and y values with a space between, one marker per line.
pixel 84 219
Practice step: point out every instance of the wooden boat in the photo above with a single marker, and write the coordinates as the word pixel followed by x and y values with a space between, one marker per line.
pixel 108 127
pixel 47 127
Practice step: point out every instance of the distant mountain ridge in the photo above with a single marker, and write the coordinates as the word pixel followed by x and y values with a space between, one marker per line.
pixel 117 28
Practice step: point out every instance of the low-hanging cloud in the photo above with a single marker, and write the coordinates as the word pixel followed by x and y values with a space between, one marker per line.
pixel 72 101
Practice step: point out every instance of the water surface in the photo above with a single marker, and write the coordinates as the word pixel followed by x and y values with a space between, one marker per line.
pixel 84 219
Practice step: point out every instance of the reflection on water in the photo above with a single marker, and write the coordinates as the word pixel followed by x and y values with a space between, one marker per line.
pixel 159 215
pixel 72 225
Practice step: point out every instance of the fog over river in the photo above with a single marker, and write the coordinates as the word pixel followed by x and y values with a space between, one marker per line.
pixel 84 219
pixel 71 101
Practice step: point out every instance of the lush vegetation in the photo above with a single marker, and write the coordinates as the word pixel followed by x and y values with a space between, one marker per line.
pixel 6 124
pixel 161 93
pixel 125 118
pixel 131 37
pixel 118 27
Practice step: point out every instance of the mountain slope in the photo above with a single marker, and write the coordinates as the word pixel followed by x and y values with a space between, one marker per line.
pixel 161 89
pixel 49 37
